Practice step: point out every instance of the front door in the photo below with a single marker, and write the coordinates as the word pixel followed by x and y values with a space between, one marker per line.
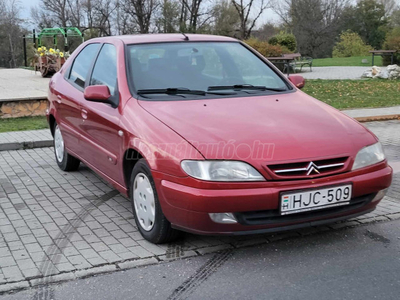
pixel 70 95
pixel 100 122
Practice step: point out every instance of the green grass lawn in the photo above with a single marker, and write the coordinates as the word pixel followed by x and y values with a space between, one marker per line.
pixel 347 61
pixel 26 123
pixel 344 94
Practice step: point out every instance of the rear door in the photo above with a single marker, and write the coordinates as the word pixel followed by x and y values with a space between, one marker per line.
pixel 69 97
pixel 100 121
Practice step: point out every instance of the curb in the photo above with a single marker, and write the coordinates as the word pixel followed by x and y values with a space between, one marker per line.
pixel 26 145
pixel 378 118
pixel 142 262
pixel 37 98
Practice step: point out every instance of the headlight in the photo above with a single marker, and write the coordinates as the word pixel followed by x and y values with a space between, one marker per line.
pixel 220 170
pixel 368 156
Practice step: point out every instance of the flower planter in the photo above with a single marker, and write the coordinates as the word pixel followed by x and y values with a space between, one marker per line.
pixel 49 62
pixel 60 62
pixel 42 60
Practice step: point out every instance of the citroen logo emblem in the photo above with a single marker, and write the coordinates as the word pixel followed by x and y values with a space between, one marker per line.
pixel 312 168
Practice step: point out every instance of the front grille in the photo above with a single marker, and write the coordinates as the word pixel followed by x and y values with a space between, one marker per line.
pixel 309 169
pixel 265 217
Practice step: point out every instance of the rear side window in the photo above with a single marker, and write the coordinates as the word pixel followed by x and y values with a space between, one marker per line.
pixel 82 63
pixel 105 69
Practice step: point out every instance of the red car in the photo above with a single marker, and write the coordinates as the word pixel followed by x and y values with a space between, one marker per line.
pixel 205 135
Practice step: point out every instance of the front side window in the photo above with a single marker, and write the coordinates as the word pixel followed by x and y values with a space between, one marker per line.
pixel 206 68
pixel 105 68
pixel 82 63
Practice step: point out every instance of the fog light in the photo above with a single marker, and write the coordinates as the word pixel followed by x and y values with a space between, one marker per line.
pixel 223 218
pixel 380 195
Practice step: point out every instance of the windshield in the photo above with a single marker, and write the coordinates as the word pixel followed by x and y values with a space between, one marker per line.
pixel 198 69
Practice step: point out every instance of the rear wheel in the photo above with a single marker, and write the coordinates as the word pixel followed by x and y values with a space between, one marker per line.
pixel 149 218
pixel 65 161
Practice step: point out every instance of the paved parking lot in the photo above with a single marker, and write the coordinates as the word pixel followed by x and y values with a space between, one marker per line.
pixel 58 226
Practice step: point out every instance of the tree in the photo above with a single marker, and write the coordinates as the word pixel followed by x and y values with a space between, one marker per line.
pixel 395 18
pixel 168 21
pixel 42 18
pixel 123 20
pixel 315 23
pixel 392 43
pixel 368 19
pixel 225 18
pixel 142 12
pixel 244 8
pixel 93 17
pixel 75 12
pixel 59 10
pixel 191 12
pixel 350 44
pixel 266 31
pixel 107 17
pixel 10 34
pixel 103 13
pixel 389 6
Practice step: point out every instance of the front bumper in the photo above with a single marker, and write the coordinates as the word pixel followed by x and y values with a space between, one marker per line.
pixel 188 207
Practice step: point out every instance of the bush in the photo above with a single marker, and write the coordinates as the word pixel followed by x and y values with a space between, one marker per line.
pixel 392 42
pixel 283 39
pixel 350 44
pixel 265 48
pixel 273 40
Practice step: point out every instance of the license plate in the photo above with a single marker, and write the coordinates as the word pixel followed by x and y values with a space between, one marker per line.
pixel 301 201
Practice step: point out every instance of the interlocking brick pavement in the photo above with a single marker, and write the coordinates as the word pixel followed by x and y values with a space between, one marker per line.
pixel 57 226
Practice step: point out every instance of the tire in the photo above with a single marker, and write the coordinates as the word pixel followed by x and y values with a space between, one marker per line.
pixel 65 161
pixel 145 203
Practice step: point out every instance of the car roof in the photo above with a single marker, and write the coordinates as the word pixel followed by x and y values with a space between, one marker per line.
pixel 160 38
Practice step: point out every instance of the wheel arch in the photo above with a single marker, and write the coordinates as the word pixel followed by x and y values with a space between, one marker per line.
pixel 131 157
pixel 52 121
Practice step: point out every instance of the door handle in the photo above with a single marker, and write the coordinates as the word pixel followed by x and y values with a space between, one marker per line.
pixel 59 99
pixel 84 113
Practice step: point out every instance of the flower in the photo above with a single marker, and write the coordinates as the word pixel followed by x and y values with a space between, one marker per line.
pixel 40 49
pixel 61 54
pixel 51 50
pixel 41 54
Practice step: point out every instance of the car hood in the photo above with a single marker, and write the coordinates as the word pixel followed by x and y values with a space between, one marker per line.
pixel 284 127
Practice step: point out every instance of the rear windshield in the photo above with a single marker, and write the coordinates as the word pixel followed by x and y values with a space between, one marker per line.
pixel 199 66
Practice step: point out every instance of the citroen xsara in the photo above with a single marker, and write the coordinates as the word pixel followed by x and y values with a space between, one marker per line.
pixel 205 135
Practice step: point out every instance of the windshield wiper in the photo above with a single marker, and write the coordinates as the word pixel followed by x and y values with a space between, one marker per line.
pixel 179 91
pixel 171 91
pixel 244 87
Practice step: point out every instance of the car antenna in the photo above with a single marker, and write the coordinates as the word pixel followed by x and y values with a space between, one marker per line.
pixel 186 37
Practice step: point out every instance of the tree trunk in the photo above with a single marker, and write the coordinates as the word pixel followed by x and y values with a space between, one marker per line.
pixel 12 61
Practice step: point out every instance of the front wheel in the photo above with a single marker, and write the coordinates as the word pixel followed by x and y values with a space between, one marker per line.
pixel 65 161
pixel 149 218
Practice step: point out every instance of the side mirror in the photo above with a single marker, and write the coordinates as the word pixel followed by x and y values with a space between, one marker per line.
pixel 97 93
pixel 297 80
